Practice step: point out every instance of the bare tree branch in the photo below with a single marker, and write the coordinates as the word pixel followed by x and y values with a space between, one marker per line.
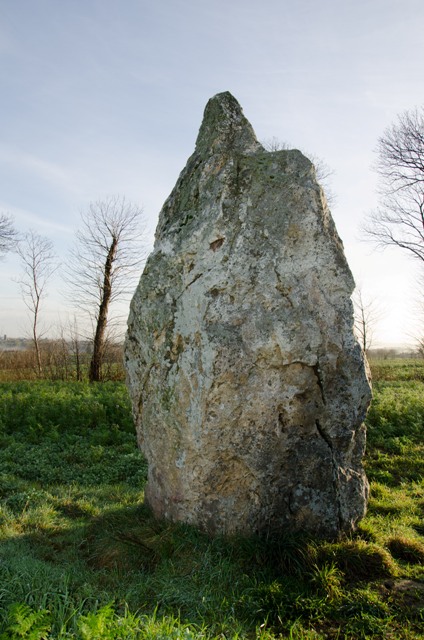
pixel 38 262
pixel 8 234
pixel 274 144
pixel 366 315
pixel 399 220
pixel 105 265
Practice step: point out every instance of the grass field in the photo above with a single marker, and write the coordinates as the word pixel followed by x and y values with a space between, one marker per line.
pixel 82 558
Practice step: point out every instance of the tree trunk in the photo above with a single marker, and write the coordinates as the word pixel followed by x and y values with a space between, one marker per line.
pixel 77 361
pixel 37 355
pixel 35 332
pixel 100 334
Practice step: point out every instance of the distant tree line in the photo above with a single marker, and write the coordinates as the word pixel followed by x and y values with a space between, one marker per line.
pixel 62 359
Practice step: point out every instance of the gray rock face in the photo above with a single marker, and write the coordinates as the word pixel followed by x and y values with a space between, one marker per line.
pixel 249 389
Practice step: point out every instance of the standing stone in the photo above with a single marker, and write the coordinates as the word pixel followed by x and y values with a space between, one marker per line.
pixel 249 389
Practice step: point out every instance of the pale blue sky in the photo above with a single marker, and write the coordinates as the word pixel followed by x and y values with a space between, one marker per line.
pixel 103 97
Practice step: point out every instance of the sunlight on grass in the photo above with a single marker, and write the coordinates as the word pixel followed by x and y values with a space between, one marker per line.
pixel 82 557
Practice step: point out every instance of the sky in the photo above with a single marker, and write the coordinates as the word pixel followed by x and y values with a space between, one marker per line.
pixel 101 97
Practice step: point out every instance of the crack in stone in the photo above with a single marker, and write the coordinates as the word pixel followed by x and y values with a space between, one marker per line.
pixel 329 444
pixel 285 291
pixel 199 275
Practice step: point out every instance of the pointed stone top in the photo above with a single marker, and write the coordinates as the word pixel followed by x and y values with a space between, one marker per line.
pixel 225 127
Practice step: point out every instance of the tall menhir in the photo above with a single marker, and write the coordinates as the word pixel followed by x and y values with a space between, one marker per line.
pixel 248 387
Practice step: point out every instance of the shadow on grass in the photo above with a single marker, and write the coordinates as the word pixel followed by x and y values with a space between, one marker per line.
pixel 82 561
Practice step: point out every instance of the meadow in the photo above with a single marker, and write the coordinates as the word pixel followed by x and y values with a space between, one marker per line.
pixel 82 558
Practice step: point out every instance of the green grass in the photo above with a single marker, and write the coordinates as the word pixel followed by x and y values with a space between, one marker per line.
pixel 398 369
pixel 81 557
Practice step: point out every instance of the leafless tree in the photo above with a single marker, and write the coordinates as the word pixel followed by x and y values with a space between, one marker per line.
pixel 322 171
pixel 105 264
pixel 38 262
pixel 8 234
pixel 366 315
pixel 419 338
pixel 399 220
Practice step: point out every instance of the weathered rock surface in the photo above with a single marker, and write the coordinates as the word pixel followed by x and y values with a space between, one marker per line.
pixel 249 389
